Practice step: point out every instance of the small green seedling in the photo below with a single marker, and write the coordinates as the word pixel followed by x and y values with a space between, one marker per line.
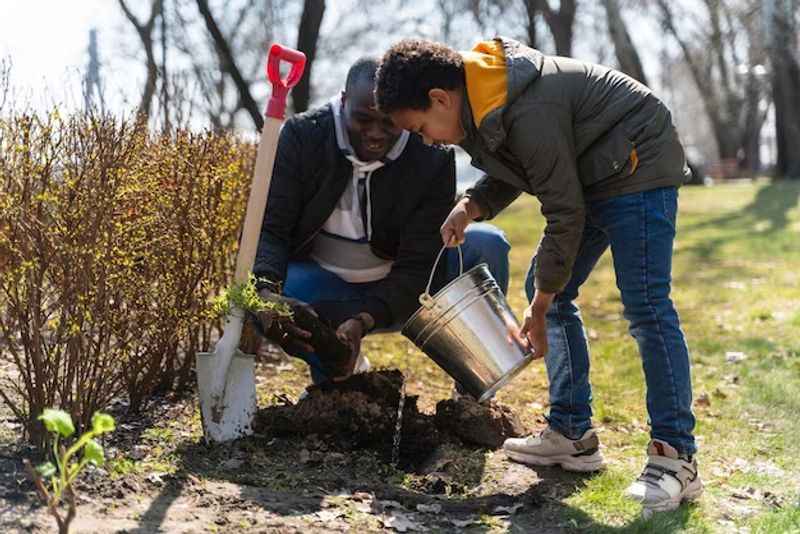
pixel 245 297
pixel 68 461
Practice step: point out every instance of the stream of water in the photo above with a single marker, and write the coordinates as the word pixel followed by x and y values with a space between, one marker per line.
pixel 398 425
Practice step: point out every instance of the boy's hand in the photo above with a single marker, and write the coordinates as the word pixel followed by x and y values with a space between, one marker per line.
pixel 534 324
pixel 464 212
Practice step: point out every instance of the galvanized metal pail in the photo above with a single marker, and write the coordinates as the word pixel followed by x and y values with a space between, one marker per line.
pixel 466 329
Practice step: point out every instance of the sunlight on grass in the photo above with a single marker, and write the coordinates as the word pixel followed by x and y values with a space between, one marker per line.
pixel 779 521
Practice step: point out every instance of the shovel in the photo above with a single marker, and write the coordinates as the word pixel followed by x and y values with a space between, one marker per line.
pixel 226 377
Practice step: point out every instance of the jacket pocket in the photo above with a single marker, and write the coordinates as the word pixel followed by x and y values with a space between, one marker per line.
pixel 605 158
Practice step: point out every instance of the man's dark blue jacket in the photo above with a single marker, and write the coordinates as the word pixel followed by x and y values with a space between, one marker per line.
pixel 410 198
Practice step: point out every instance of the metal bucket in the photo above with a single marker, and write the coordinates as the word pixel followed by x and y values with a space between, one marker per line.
pixel 465 328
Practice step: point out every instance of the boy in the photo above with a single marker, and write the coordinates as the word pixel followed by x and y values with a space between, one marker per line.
pixel 601 154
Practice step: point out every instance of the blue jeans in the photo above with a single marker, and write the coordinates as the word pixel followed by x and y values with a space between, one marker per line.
pixel 640 229
pixel 307 281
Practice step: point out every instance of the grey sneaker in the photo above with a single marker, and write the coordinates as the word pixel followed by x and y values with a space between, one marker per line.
pixel 667 479
pixel 552 448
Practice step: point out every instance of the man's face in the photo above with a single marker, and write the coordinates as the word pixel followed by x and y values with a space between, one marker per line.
pixel 371 132
pixel 439 124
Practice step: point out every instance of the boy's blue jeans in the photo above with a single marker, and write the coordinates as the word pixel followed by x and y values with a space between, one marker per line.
pixel 640 229
pixel 308 282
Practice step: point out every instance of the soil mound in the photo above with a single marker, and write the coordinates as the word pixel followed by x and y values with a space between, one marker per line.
pixel 361 412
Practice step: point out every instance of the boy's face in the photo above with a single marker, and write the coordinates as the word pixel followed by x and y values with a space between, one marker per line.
pixel 440 123
pixel 371 132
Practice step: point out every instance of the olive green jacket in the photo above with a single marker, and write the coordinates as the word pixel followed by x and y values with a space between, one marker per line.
pixel 566 131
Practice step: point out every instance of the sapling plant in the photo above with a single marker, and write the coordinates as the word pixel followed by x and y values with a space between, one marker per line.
pixel 54 481
pixel 245 296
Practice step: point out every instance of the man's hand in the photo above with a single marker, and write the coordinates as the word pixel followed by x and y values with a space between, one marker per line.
pixel 534 324
pixel 352 331
pixel 464 212
pixel 288 335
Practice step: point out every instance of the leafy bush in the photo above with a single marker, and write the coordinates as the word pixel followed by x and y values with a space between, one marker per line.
pixel 113 242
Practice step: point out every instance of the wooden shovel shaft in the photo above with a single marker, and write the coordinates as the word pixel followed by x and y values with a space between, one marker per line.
pixel 219 426
pixel 257 202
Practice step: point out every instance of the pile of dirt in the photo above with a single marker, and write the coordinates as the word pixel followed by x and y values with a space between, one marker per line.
pixel 361 412
pixel 486 425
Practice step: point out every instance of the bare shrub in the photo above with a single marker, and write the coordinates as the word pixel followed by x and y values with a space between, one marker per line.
pixel 111 244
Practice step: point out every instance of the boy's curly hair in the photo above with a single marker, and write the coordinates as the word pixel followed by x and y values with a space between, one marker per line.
pixel 410 69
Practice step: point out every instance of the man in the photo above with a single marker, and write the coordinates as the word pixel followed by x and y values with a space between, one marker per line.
pixel 601 154
pixel 353 217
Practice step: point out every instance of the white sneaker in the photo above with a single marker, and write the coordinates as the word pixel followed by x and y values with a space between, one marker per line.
pixel 667 479
pixel 552 448
pixel 362 365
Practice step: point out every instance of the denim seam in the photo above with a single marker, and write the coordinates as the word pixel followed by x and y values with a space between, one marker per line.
pixel 655 313
pixel 570 424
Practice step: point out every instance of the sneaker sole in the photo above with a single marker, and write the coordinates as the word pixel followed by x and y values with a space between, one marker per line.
pixel 577 464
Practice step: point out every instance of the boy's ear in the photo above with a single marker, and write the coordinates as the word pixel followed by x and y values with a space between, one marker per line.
pixel 441 97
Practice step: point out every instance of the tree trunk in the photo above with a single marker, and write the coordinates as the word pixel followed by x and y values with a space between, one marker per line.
pixel 229 65
pixel 754 120
pixel 307 38
pixel 627 56
pixel 560 23
pixel 532 10
pixel 782 45
pixel 721 112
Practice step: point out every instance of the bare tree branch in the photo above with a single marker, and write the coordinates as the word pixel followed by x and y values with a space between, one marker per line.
pixel 560 23
pixel 145 31
pixel 532 9
pixel 627 56
pixel 229 64
pixel 307 39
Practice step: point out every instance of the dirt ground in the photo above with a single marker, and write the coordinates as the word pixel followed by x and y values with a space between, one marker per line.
pixel 323 464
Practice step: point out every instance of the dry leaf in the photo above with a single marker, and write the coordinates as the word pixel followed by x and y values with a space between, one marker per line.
pixel 465 523
pixel 735 357
pixel 429 508
pixel 510 510
pixel 402 523
pixel 703 400
pixel 328 515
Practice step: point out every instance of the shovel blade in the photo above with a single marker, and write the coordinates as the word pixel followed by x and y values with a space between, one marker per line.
pixel 239 404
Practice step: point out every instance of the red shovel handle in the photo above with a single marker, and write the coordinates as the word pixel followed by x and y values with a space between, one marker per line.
pixel 281 86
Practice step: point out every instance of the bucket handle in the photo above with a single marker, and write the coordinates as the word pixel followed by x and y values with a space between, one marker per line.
pixel 426 299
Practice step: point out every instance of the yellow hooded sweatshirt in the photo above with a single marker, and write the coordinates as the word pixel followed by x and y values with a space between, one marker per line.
pixel 486 78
